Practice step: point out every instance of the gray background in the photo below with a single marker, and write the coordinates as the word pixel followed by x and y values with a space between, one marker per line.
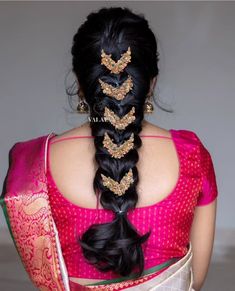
pixel 197 65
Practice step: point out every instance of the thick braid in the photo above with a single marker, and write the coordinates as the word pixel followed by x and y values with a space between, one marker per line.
pixel 117 179
pixel 115 85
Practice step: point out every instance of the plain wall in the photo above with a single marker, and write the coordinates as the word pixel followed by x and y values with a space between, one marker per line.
pixel 197 65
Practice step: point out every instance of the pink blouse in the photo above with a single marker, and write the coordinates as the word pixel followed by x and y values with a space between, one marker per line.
pixel 170 219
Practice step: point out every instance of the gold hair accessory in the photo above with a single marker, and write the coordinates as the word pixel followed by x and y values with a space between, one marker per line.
pixel 117 92
pixel 115 150
pixel 119 123
pixel 116 67
pixel 116 187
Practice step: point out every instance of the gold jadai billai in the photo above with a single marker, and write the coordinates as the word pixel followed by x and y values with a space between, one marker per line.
pixel 116 67
pixel 119 188
pixel 118 93
pixel 115 150
pixel 119 123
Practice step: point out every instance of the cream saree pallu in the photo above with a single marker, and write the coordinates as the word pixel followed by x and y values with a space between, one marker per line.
pixel 26 207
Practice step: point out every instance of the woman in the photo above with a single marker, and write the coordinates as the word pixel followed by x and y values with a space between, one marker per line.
pixel 145 229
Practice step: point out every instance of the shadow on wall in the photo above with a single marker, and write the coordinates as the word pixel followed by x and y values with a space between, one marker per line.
pixel 14 278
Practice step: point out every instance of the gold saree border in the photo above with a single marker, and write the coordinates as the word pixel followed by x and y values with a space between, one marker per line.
pixel 33 228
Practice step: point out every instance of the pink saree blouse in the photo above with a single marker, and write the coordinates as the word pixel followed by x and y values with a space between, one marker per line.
pixel 170 219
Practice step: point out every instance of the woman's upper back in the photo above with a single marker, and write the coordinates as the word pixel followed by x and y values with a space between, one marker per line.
pixel 176 175
pixel 71 163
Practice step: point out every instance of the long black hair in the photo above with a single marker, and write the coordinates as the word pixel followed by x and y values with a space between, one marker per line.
pixel 115 245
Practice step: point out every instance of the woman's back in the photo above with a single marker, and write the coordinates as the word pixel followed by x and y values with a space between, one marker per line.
pixel 169 188
pixel 72 165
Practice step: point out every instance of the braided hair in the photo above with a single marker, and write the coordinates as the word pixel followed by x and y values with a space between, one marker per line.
pixel 115 245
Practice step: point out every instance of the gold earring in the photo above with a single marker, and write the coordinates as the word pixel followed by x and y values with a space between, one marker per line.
pixel 148 106
pixel 82 106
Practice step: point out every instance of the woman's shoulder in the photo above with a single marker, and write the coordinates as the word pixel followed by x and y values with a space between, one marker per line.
pixel 194 143
pixel 188 140
pixel 188 136
pixel 28 144
pixel 83 130
pixel 185 135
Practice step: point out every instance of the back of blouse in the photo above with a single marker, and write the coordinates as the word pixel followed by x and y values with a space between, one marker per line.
pixel 169 220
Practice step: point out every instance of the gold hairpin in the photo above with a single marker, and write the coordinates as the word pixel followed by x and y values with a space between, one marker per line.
pixel 120 92
pixel 116 187
pixel 119 123
pixel 116 67
pixel 115 150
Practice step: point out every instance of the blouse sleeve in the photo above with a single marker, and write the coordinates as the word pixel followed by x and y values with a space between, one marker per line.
pixel 209 191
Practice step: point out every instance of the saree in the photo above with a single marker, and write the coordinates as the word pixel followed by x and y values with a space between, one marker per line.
pixel 27 211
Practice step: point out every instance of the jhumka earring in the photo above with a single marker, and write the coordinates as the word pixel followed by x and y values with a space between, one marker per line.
pixel 148 106
pixel 82 106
